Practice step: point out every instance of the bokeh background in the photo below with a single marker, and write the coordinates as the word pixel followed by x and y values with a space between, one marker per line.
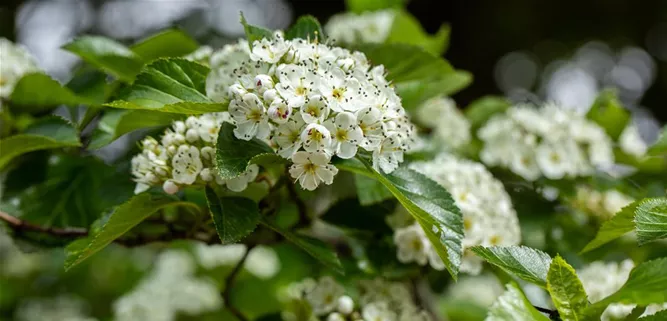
pixel 566 50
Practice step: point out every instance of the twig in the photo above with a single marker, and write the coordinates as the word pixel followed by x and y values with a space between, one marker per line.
pixel 229 282
pixel 19 225
pixel 553 314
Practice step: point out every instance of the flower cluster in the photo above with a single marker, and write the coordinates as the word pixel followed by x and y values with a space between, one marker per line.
pixel 368 27
pixel 262 261
pixel 311 102
pixel 602 279
pixel 170 289
pixel 185 156
pixel 450 127
pixel 489 218
pixel 550 141
pixel 377 300
pixel 631 142
pixel 60 308
pixel 16 62
pixel 602 204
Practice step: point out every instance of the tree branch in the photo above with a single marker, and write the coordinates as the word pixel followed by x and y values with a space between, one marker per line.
pixel 19 225
pixel 229 282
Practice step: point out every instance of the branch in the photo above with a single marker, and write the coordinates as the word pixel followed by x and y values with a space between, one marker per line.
pixel 553 314
pixel 229 282
pixel 19 225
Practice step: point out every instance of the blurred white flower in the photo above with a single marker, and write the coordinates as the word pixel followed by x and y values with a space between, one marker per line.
pixel 16 62
pixel 59 308
pixel 450 126
pixel 368 27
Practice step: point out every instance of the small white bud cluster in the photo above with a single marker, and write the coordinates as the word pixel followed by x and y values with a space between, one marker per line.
pixel 489 218
pixel 602 204
pixel 311 102
pixel 631 142
pixel 185 156
pixel 549 142
pixel 602 279
pixel 450 126
pixel 16 61
pixel 377 300
pixel 62 307
pixel 368 27
pixel 170 289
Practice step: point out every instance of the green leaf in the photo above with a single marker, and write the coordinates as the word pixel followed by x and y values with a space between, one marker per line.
pixel 170 43
pixel 253 33
pixel 234 217
pixel 40 90
pixel 646 285
pixel 233 155
pixel 615 227
pixel 608 112
pixel 316 248
pixel 482 109
pixel 658 316
pixel 566 290
pixel 359 6
pixel 370 191
pixel 306 27
pixel 514 306
pixel 172 85
pixel 523 262
pixel 416 74
pixel 116 123
pixel 651 219
pixel 428 202
pixel 122 219
pixel 108 55
pixel 406 29
pixel 659 147
pixel 47 133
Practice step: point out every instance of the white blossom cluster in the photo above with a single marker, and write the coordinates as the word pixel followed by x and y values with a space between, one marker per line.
pixel 169 290
pixel 185 156
pixel 450 126
pixel 549 142
pixel 377 300
pixel 368 27
pixel 262 261
pixel 489 218
pixel 311 102
pixel 60 308
pixel 15 62
pixel 631 141
pixel 601 279
pixel 602 204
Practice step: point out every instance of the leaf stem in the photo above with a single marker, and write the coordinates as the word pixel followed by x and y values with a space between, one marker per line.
pixel 229 282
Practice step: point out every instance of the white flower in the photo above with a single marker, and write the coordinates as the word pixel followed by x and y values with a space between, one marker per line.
pixel 378 312
pixel 552 160
pixel 279 112
pixel 316 138
pixel 315 110
pixel 324 297
pixel 240 183
pixel 345 305
pixel 341 91
pixel 631 141
pixel 412 245
pixel 288 137
pixel 346 134
pixel 370 122
pixel 312 168
pixel 450 125
pixel 16 62
pixel 388 155
pixel 369 27
pixel 269 50
pixel 186 164
pixel 250 117
pixel 296 83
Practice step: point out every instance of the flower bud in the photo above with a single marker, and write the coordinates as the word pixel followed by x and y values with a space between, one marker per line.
pixel 263 83
pixel 345 305
pixel 191 135
pixel 206 175
pixel 170 187
pixel 179 127
pixel 270 95
pixel 279 112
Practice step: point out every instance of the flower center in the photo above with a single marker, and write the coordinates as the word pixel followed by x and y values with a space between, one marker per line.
pixel 555 157
pixel 341 135
pixel 255 115
pixel 310 167
pixel 300 91
pixel 338 93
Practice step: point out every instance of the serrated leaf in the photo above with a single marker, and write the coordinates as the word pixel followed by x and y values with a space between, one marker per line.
pixel 658 316
pixel 40 90
pixel 306 27
pixel 172 85
pixel 370 191
pixel 108 55
pixel 428 202
pixel 482 109
pixel 416 74
pixel 234 217
pixel 406 29
pixel 253 33
pixel 47 133
pixel 316 248
pixel 647 284
pixel 615 227
pixel 566 290
pixel 523 262
pixel 122 219
pixel 608 112
pixel 116 123
pixel 233 155
pixel 514 306
pixel 651 219
pixel 169 43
